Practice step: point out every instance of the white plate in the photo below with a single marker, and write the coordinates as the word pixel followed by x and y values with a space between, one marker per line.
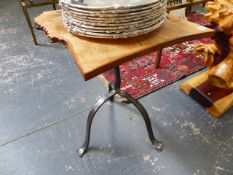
pixel 108 4
pixel 116 24
pixel 94 21
pixel 117 29
pixel 111 15
pixel 112 20
pixel 120 10
pixel 116 34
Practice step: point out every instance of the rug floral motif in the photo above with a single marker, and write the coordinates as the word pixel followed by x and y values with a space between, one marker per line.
pixel 139 76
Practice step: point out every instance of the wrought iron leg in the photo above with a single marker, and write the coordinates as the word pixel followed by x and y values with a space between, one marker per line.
pixel 113 90
pixel 156 144
pixel 91 115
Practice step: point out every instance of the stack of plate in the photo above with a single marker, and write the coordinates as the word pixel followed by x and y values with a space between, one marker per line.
pixel 112 18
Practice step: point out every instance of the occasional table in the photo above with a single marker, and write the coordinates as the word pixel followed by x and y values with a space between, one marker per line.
pixel 95 56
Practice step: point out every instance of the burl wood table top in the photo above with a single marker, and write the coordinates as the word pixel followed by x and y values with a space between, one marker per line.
pixel 95 56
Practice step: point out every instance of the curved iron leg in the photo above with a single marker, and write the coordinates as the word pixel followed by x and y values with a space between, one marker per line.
pixel 91 115
pixel 156 144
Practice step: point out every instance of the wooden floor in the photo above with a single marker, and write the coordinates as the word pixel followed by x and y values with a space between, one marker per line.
pixel 44 103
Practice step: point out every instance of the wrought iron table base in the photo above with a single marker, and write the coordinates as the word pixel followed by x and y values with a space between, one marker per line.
pixel 113 90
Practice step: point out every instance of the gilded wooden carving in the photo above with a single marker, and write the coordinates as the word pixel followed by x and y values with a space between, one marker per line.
pixel 219 55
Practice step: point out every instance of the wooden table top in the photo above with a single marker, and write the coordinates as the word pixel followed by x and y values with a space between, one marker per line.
pixel 95 56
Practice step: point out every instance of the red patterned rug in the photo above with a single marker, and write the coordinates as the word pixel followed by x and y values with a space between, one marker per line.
pixel 139 77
